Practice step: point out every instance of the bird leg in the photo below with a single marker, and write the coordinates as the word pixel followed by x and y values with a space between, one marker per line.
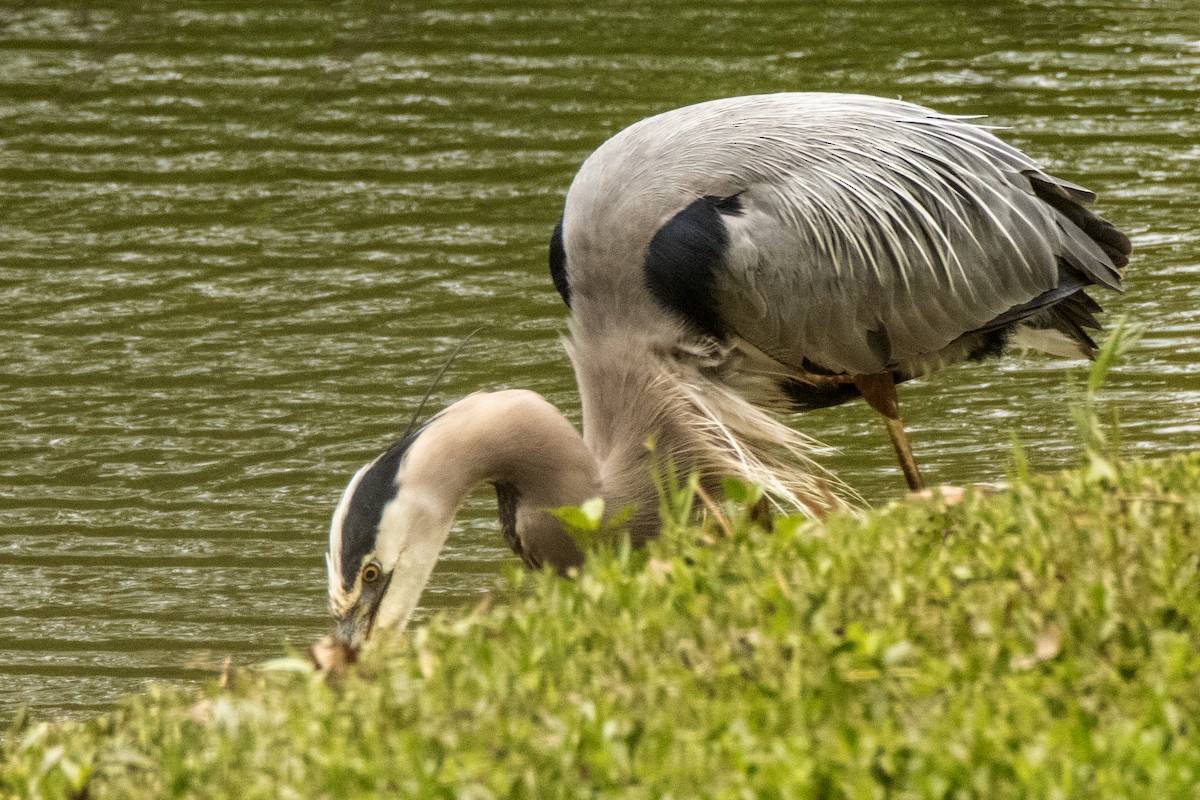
pixel 879 390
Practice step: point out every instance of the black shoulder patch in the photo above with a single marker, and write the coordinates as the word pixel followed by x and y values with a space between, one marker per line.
pixel 378 486
pixel 558 264
pixel 683 259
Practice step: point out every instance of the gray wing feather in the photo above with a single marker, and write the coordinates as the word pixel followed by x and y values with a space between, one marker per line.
pixel 888 240
pixel 869 231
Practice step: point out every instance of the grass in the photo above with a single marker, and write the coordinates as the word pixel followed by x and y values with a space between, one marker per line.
pixel 1042 642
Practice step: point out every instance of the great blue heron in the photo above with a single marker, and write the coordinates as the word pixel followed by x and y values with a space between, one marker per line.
pixel 780 252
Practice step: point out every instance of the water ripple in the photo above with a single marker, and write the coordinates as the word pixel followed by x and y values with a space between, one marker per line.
pixel 238 243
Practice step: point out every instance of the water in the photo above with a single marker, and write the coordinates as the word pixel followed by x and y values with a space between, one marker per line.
pixel 237 243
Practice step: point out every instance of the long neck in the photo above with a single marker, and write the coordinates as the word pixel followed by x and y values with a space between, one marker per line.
pixel 648 390
pixel 637 422
pixel 513 439
pixel 524 446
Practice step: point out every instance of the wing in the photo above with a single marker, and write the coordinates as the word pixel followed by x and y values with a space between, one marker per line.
pixel 847 232
pixel 895 237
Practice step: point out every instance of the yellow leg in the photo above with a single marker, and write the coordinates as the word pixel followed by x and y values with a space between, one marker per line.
pixel 879 390
pixel 904 453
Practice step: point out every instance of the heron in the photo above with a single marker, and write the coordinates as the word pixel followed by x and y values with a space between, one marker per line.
pixel 723 262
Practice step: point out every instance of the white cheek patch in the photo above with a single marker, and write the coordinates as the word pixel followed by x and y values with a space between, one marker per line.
pixel 411 537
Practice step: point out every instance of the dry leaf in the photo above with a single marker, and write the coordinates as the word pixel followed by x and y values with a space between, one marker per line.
pixel 330 654
pixel 1048 643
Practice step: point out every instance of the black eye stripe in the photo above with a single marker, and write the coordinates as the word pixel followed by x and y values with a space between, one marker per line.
pixel 375 490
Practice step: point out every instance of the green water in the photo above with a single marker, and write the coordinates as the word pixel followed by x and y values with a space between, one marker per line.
pixel 238 240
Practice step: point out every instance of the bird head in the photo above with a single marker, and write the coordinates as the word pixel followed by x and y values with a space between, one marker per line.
pixel 397 511
pixel 384 539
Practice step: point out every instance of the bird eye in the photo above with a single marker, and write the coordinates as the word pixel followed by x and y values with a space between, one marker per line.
pixel 371 573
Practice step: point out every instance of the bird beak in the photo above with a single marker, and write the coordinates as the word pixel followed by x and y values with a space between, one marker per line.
pixel 352 630
pixel 337 652
pixel 356 625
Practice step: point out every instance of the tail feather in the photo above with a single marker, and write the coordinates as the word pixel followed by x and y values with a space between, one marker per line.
pixel 1067 199
pixel 1081 310
pixel 1093 251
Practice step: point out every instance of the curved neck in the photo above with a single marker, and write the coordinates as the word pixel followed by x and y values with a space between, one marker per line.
pixel 512 439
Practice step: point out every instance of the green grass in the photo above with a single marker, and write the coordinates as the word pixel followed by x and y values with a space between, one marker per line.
pixel 1040 643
